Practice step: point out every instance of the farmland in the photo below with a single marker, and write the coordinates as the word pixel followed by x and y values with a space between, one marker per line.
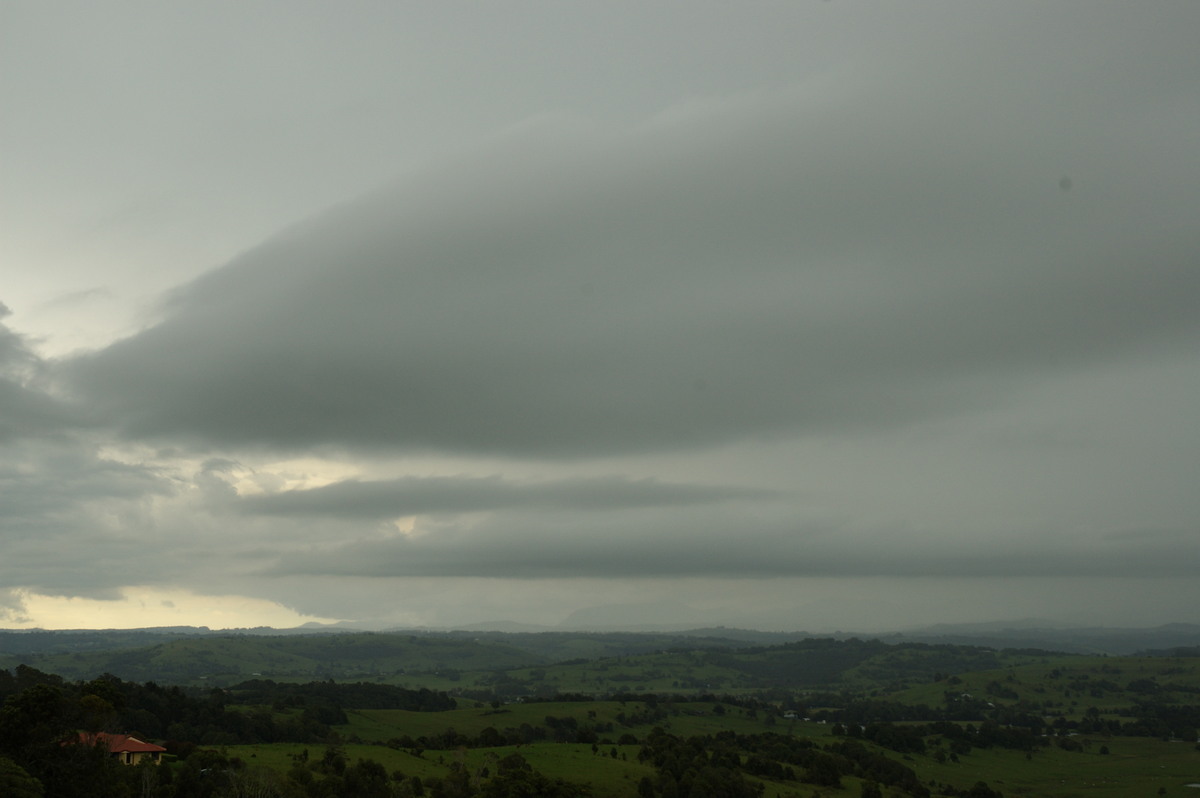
pixel 400 715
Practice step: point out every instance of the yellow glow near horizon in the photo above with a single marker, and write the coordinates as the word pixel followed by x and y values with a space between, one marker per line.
pixel 149 606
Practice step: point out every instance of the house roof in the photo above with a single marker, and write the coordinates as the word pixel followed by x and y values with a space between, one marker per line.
pixel 119 743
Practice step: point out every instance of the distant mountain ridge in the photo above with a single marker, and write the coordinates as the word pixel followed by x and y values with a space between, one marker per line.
pixel 1070 639
pixel 1027 633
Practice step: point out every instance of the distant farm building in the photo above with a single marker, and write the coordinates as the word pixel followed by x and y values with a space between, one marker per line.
pixel 125 749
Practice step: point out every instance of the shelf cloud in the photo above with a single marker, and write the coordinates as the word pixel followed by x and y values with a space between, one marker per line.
pixel 412 332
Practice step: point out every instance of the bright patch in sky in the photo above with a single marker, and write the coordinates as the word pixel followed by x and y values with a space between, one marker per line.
pixel 147 606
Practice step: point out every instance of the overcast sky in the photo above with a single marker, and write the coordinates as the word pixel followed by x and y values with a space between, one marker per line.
pixel 796 315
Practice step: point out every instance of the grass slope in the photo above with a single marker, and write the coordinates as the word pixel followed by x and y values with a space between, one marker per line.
pixel 1134 766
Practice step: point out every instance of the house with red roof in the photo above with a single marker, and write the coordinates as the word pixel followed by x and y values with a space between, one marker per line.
pixel 126 749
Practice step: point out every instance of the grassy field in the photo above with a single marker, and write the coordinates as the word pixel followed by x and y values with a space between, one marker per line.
pixel 609 777
pixel 1070 685
pixel 683 719
pixel 1131 766
pixel 501 688
pixel 283 756
pixel 1134 767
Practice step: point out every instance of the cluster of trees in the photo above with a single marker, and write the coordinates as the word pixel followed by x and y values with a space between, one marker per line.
pixel 34 761
pixel 39 711
pixel 332 776
pixel 151 711
pixel 911 738
pixel 208 773
pixel 560 730
pixel 695 766
pixel 825 661
pixel 815 661
pixel 211 718
pixel 718 766
pixel 714 765
pixel 811 663
pixel 356 695
pixel 1151 719
pixel 42 714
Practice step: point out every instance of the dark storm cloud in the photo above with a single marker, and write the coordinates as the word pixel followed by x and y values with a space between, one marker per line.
pixel 832 256
pixel 38 485
pixel 440 495
pixel 51 483
pixel 62 504
pixel 75 523
pixel 727 545
pixel 25 409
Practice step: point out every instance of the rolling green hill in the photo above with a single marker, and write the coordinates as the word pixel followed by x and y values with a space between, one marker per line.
pixel 513 665
pixel 228 659
pixel 486 717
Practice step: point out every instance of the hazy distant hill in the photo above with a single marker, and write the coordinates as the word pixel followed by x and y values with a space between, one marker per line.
pixel 185 655
pixel 186 658
pixel 1038 634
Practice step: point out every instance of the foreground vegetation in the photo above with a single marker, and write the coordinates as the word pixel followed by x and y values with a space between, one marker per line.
pixel 808 718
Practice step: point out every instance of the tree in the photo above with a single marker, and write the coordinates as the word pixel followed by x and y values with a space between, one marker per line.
pixel 367 779
pixel 255 782
pixel 16 783
pixel 36 718
pixel 982 790
pixel 517 779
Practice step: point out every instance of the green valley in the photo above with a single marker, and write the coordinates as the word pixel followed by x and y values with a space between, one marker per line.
pixel 397 715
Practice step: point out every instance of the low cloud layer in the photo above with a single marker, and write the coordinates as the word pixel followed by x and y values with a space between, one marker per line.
pixel 915 313
pixel 729 546
pixel 441 495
